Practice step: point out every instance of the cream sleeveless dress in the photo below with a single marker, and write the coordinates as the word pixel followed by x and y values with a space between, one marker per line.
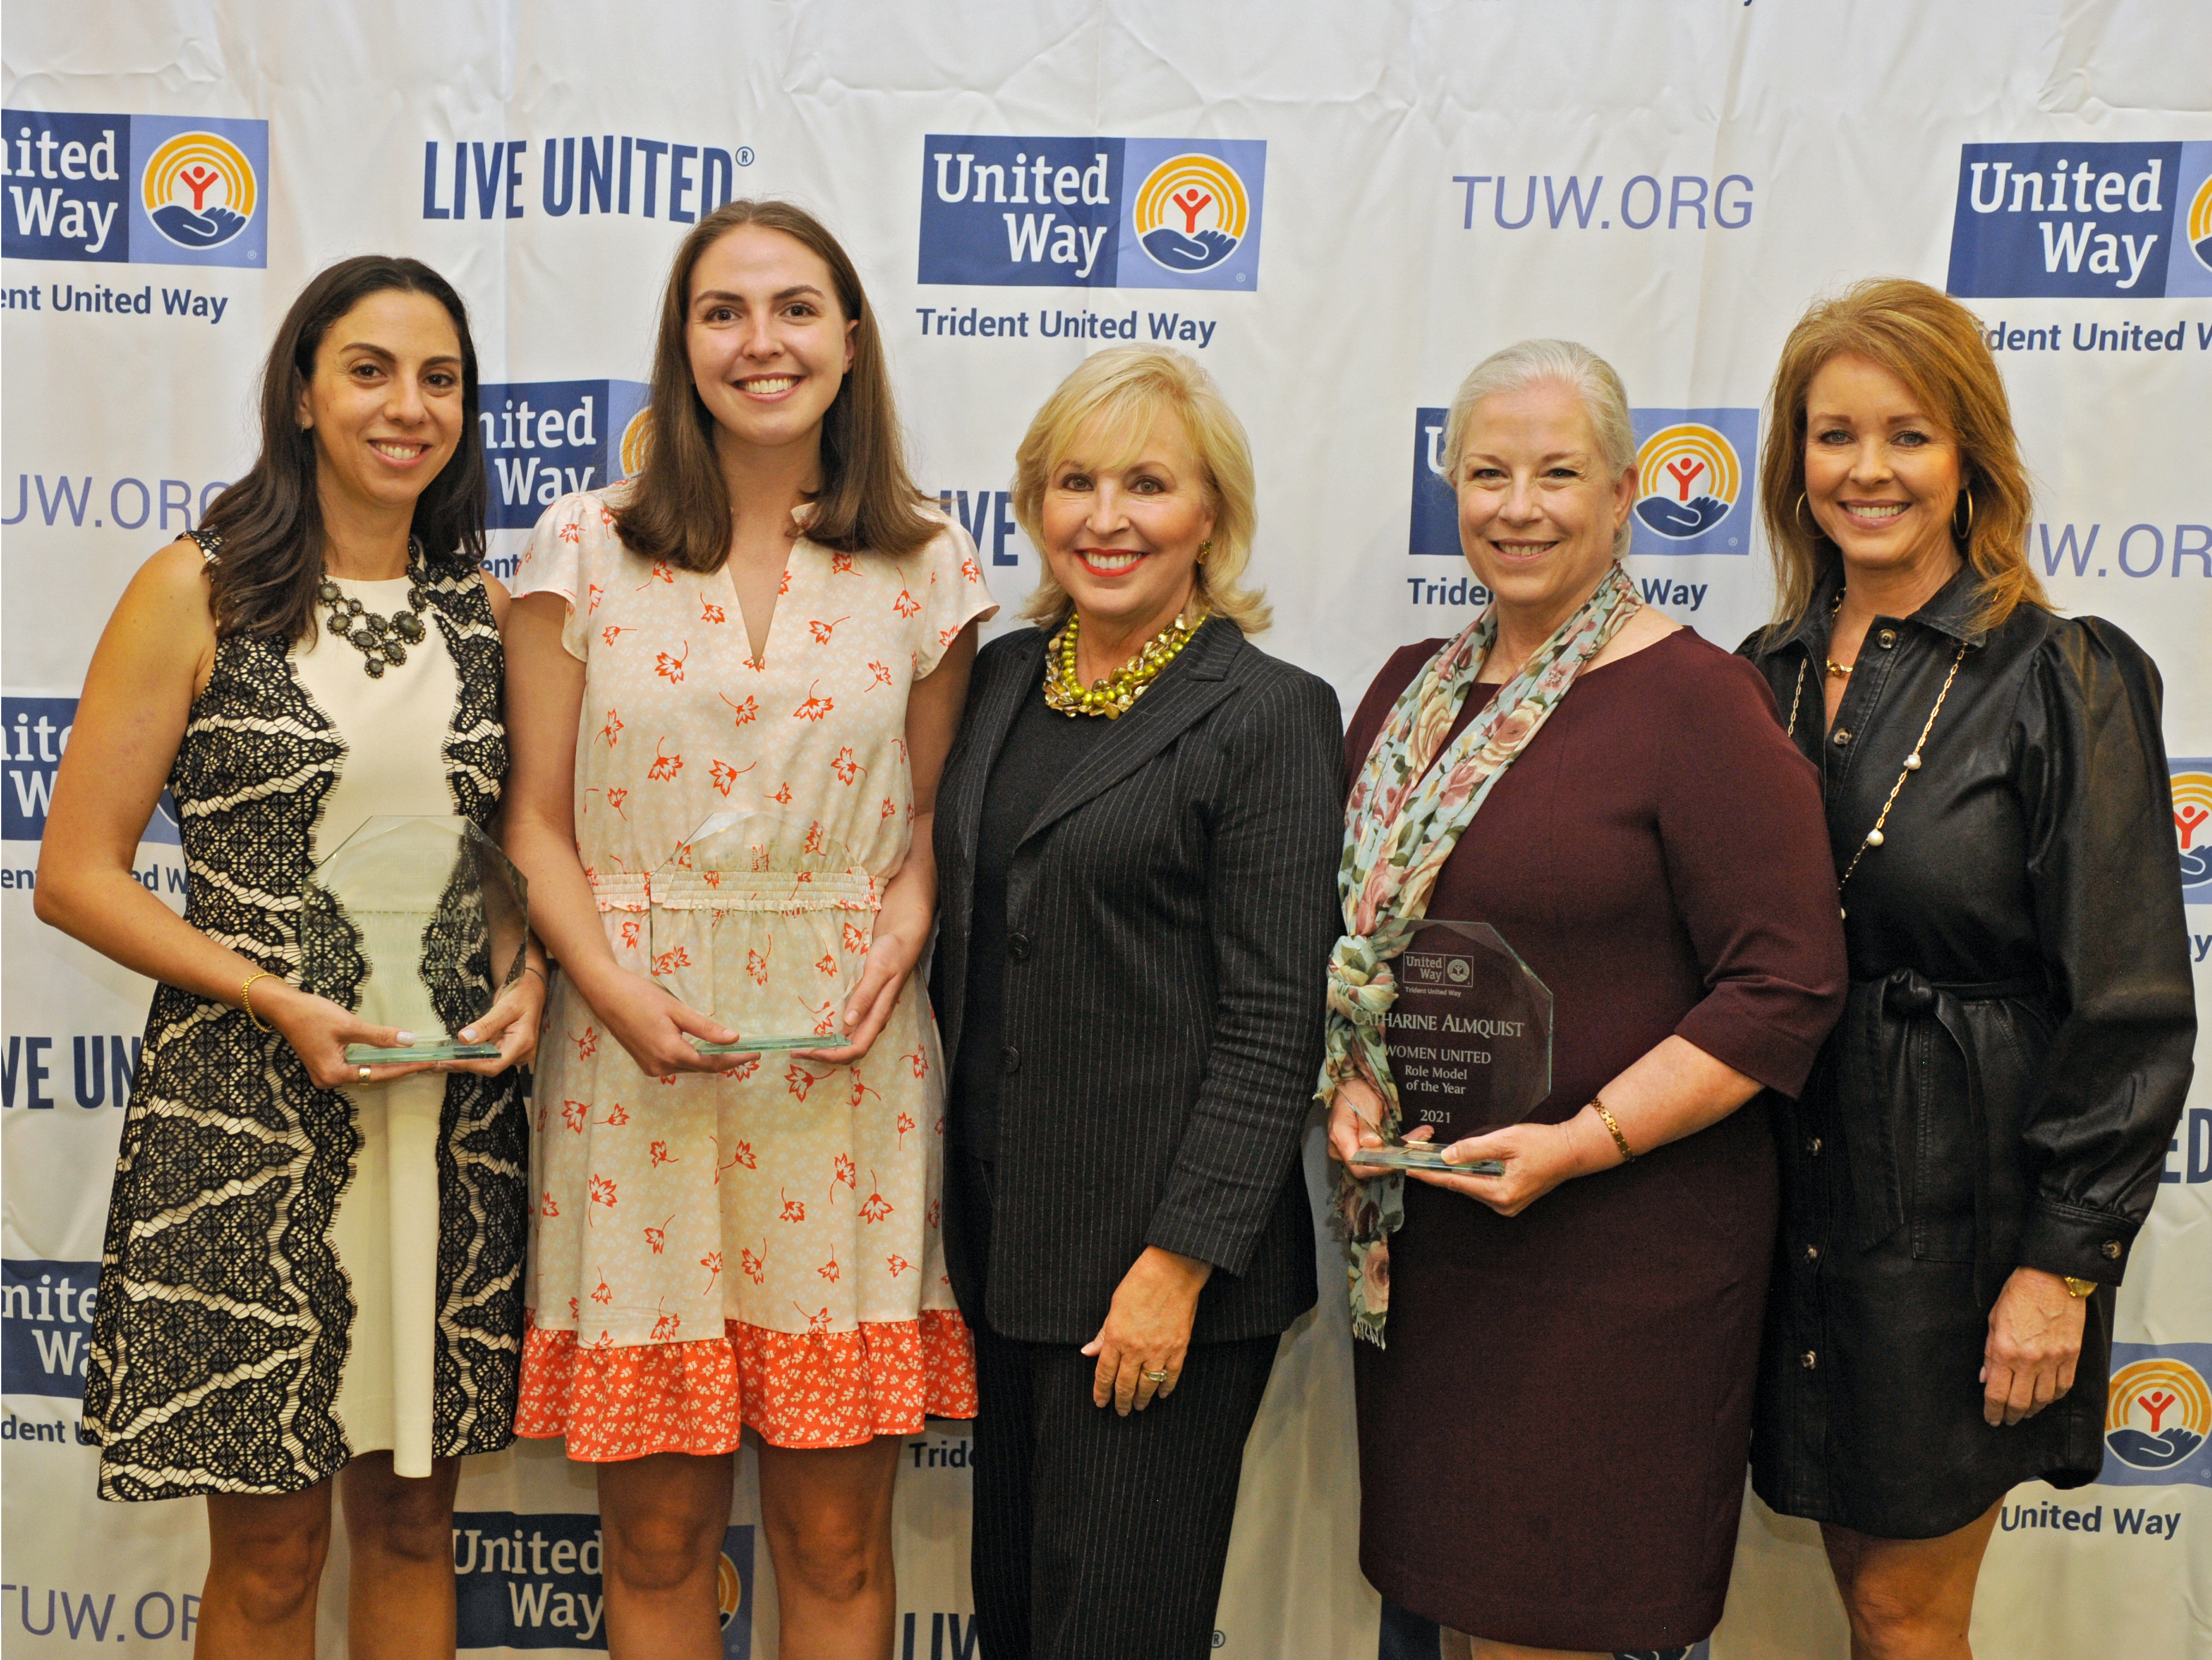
pixel 386 1230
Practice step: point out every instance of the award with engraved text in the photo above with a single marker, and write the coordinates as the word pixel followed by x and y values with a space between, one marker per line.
pixel 1469 1040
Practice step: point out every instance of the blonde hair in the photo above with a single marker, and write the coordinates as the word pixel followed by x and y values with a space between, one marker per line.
pixel 1118 396
pixel 1934 345
pixel 1565 363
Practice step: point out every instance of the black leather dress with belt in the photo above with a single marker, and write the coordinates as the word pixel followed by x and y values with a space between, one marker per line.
pixel 2011 1063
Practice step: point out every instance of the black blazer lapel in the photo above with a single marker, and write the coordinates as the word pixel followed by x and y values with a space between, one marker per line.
pixel 1192 685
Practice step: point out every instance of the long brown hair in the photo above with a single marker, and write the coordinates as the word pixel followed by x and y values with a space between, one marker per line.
pixel 272 520
pixel 1934 345
pixel 678 509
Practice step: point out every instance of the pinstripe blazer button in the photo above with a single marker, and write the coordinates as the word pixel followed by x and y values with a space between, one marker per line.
pixel 1017 946
pixel 1010 1058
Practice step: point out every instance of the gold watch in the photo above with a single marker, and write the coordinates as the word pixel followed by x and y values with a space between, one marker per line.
pixel 2079 1288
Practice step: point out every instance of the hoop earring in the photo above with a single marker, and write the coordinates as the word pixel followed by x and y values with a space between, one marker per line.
pixel 1811 523
pixel 1967 533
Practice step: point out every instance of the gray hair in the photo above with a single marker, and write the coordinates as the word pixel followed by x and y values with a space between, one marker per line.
pixel 1557 362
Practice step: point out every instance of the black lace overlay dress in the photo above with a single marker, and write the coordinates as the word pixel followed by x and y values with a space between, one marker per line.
pixel 223 1312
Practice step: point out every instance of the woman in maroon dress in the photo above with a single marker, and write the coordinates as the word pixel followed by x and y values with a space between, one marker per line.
pixel 1553 1444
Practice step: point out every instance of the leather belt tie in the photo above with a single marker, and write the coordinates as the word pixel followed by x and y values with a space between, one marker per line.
pixel 1909 994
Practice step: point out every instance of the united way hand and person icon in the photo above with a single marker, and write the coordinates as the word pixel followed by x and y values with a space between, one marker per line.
pixel 1190 213
pixel 199 189
pixel 2159 1415
pixel 1686 480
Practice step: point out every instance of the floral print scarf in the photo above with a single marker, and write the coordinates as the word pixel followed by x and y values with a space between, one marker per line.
pixel 1403 819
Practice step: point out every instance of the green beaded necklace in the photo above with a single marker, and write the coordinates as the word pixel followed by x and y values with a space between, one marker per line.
pixel 1113 696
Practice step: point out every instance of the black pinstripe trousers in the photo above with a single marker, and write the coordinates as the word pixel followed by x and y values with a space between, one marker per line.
pixel 1096 1536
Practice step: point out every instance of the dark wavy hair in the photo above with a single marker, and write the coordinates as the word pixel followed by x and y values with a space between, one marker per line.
pixel 677 509
pixel 264 579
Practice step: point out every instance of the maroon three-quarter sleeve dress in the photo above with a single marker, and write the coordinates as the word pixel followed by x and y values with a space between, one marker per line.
pixel 1553 1445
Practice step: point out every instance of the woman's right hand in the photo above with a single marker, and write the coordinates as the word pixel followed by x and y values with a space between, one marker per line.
pixel 319 1030
pixel 1355 1120
pixel 656 1028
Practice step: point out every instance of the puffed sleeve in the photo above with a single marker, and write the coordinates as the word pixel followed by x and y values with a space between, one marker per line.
pixel 1271 905
pixel 559 559
pixel 947 578
pixel 1747 850
pixel 2097 797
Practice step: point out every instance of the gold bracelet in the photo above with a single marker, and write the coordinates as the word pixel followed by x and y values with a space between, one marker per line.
pixel 246 999
pixel 1627 1156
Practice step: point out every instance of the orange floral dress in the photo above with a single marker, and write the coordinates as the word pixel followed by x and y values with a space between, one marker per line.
pixel 763 1249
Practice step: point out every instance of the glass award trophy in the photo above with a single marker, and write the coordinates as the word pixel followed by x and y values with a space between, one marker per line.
pixel 417 921
pixel 762 922
pixel 1469 1040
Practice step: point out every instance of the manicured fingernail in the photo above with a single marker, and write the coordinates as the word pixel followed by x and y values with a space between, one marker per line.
pixel 405 1039
pixel 468 1034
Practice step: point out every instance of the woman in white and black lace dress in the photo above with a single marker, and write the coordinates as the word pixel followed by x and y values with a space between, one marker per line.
pixel 310 1265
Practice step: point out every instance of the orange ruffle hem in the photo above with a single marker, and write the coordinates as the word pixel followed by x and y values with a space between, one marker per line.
pixel 829 1389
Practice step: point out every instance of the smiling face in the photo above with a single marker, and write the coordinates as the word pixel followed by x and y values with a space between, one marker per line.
pixel 1537 508
pixel 769 344
pixel 1882 474
pixel 385 402
pixel 1122 536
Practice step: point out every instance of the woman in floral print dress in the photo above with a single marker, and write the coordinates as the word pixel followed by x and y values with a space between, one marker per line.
pixel 768 620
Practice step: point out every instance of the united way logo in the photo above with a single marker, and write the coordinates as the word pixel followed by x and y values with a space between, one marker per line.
pixel 2079 221
pixel 2192 824
pixel 143 189
pixel 1694 476
pixel 1092 213
pixel 1190 213
pixel 543 440
pixel 199 189
pixel 2158 1415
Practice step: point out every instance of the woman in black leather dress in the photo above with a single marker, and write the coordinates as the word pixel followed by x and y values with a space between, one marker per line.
pixel 1983 1137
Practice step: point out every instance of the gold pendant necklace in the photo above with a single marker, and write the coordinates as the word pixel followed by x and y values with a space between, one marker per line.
pixel 1874 837
pixel 1112 696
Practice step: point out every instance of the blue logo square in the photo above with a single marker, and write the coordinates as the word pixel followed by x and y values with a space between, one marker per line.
pixel 1436 509
pixel 1191 217
pixel 200 192
pixel 45 1319
pixel 2066 220
pixel 33 732
pixel 66 178
pixel 543 440
pixel 2158 1415
pixel 1697 480
pixel 1020 212
pixel 2188 267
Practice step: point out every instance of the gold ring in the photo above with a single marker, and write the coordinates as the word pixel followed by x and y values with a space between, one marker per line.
pixel 1155 1376
pixel 364 1075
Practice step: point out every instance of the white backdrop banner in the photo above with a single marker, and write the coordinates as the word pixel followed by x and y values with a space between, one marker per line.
pixel 1338 209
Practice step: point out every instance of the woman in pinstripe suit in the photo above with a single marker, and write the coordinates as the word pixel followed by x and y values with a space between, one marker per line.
pixel 1137 840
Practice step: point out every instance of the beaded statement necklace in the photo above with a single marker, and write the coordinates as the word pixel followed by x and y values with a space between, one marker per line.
pixel 1874 837
pixel 1113 696
pixel 382 641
